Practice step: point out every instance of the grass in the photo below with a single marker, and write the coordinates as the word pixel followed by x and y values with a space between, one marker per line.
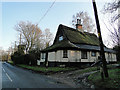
pixel 10 61
pixel 112 82
pixel 95 68
pixel 90 69
pixel 86 70
pixel 56 69
pixel 46 70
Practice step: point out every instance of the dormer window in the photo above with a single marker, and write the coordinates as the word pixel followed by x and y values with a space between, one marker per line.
pixel 93 54
pixel 60 38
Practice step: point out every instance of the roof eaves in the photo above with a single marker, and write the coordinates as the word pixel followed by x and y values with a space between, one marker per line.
pixel 73 44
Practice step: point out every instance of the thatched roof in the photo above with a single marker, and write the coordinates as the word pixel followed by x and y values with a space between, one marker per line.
pixel 74 39
pixel 77 37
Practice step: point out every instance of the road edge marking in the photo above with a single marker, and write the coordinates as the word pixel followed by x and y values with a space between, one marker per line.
pixel 3 69
pixel 9 77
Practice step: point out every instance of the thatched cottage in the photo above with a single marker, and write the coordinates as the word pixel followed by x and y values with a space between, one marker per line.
pixel 74 47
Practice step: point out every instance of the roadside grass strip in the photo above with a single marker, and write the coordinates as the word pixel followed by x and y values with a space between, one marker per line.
pixel 11 62
pixel 45 70
pixel 112 82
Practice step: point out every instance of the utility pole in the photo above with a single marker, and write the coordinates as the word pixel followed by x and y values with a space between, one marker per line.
pixel 15 47
pixel 102 54
pixel 20 39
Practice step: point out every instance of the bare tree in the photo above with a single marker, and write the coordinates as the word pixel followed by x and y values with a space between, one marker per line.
pixel 3 54
pixel 113 24
pixel 30 33
pixel 113 7
pixel 86 21
pixel 47 37
pixel 114 33
pixel 1 51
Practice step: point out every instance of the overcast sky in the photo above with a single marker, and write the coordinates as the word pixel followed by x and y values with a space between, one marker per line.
pixel 60 13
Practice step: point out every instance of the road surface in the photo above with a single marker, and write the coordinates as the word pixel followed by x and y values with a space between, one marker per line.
pixel 15 77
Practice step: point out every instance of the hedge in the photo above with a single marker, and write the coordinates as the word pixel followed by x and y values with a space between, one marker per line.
pixel 27 59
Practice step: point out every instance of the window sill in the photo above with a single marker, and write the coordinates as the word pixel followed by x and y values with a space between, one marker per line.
pixel 65 57
pixel 93 56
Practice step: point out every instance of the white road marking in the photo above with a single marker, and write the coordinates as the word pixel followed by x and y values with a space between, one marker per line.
pixel 18 89
pixel 3 69
pixel 9 77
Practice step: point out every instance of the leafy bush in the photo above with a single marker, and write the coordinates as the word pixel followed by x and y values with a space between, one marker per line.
pixel 36 52
pixel 30 59
pixel 20 58
pixel 17 58
pixel 26 59
pixel 33 59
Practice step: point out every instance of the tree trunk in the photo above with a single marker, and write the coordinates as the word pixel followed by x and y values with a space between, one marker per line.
pixel 46 59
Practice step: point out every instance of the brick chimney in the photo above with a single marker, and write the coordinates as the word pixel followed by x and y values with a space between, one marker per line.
pixel 79 25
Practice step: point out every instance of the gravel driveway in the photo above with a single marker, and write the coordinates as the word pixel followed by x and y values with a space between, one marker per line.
pixel 73 78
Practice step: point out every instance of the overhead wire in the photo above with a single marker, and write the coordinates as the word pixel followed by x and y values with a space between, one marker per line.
pixel 46 12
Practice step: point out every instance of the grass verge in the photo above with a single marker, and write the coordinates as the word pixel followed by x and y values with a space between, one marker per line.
pixel 90 69
pixel 112 82
pixel 11 62
pixel 86 70
pixel 45 70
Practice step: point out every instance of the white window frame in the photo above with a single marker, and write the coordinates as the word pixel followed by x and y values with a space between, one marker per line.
pixel 43 56
pixel 65 54
pixel 60 38
pixel 85 56
pixel 93 53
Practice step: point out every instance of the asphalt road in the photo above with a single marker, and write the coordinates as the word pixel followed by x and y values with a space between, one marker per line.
pixel 15 77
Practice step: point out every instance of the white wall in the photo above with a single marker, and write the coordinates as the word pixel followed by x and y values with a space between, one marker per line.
pixel 38 62
pixel 93 58
pixel 75 56
pixel 51 56
pixel 57 56
pixel 110 57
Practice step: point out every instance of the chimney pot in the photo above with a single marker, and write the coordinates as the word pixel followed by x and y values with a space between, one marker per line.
pixel 79 25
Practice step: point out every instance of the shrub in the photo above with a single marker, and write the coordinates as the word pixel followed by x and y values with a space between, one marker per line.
pixel 33 59
pixel 20 58
pixel 17 58
pixel 36 52
pixel 30 59
pixel 26 59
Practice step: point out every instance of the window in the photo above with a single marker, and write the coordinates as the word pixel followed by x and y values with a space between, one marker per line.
pixel 83 54
pixel 93 53
pixel 73 53
pixel 65 54
pixel 109 56
pixel 60 38
pixel 43 55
